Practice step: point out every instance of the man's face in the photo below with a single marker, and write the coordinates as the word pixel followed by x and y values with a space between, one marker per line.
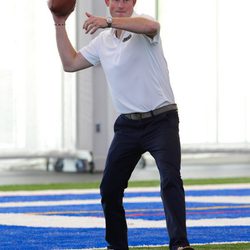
pixel 121 8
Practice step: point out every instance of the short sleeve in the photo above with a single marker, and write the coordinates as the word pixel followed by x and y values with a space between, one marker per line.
pixel 90 51
pixel 155 40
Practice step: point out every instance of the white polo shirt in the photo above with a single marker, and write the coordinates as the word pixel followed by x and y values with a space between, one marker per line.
pixel 135 69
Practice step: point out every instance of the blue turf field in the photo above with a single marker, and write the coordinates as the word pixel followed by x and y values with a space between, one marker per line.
pixel 208 221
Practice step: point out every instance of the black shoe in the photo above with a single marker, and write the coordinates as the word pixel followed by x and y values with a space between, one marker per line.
pixel 185 248
pixel 111 248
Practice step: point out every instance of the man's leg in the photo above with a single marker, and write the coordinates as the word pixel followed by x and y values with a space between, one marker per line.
pixel 165 148
pixel 121 161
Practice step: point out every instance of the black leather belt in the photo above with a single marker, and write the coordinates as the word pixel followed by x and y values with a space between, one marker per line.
pixel 143 115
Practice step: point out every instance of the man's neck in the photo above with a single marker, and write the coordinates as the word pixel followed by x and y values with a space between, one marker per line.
pixel 118 33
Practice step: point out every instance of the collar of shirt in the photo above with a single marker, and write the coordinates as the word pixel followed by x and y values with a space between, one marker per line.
pixel 125 35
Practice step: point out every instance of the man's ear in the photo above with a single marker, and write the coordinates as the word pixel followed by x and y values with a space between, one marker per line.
pixel 107 2
pixel 134 2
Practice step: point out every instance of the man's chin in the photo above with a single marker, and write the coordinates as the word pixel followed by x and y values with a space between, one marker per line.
pixel 121 15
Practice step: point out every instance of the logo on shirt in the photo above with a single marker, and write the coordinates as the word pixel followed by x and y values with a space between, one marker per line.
pixel 126 38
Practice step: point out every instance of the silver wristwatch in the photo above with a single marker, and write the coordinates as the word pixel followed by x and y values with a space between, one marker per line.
pixel 109 21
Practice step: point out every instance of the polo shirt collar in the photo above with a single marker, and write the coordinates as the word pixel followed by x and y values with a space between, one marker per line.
pixel 134 14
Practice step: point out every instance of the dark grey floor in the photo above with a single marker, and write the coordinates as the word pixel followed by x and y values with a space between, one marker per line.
pixel 39 175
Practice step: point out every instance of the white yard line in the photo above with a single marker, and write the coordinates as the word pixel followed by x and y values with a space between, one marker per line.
pixel 201 199
pixel 49 203
pixel 219 199
pixel 29 220
pixel 218 186
pixel 49 192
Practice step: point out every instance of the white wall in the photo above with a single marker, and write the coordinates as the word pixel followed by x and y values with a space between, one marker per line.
pixel 35 96
pixel 208 55
pixel 207 47
pixel 95 113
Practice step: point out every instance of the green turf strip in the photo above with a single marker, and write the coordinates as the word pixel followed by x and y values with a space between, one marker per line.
pixel 245 246
pixel 85 185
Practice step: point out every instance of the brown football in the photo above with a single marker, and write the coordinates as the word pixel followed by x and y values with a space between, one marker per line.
pixel 61 7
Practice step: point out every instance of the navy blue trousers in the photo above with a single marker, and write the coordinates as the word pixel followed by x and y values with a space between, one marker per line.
pixel 158 135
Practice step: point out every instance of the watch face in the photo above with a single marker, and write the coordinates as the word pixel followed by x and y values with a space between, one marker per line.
pixel 109 20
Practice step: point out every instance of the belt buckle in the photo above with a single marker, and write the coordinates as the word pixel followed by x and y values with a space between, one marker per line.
pixel 136 116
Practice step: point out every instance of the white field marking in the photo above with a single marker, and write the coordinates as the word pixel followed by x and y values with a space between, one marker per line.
pixel 217 186
pixel 201 199
pixel 73 191
pixel 128 190
pixel 49 203
pixel 219 199
pixel 49 192
pixel 29 220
